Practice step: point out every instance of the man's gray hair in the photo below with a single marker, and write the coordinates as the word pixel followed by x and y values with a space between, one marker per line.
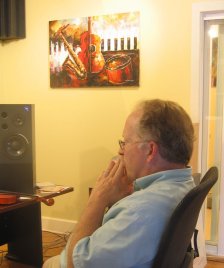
pixel 168 124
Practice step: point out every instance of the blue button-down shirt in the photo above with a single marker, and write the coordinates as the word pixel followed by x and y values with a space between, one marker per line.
pixel 132 228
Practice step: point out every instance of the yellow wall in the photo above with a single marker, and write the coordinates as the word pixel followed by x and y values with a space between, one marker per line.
pixel 77 129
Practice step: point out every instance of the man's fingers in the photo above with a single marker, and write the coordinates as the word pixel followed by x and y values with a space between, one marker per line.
pixel 107 171
pixel 115 167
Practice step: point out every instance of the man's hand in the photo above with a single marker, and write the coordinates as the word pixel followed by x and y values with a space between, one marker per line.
pixel 113 184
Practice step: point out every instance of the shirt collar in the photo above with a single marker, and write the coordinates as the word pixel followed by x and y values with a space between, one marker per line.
pixel 182 174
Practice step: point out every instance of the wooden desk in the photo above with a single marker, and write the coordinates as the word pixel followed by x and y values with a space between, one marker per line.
pixel 20 227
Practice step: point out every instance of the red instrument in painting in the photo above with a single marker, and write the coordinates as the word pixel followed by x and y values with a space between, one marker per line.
pixel 90 54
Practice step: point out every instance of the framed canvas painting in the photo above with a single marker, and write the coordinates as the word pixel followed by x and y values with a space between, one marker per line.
pixel 97 51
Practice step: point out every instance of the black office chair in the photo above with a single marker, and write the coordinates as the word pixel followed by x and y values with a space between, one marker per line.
pixel 175 249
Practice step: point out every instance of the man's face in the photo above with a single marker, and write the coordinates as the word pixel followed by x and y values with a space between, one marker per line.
pixel 135 149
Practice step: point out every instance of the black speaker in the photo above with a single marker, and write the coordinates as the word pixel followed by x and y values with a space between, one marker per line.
pixel 12 19
pixel 17 148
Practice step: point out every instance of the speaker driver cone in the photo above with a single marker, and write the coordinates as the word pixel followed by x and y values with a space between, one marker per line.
pixel 15 146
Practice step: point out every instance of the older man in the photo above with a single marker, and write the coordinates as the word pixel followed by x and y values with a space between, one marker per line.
pixel 135 196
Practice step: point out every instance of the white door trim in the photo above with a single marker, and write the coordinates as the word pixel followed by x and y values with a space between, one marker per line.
pixel 200 12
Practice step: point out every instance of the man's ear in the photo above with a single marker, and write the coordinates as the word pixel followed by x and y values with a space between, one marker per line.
pixel 152 150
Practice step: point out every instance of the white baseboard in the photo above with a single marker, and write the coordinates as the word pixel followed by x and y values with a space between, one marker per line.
pixel 57 225
pixel 211 249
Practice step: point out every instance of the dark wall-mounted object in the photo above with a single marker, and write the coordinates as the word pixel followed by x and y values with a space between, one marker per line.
pixel 12 19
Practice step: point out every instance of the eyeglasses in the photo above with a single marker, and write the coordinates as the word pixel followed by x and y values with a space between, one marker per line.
pixel 123 143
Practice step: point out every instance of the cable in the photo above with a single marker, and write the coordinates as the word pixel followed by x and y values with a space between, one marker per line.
pixel 59 242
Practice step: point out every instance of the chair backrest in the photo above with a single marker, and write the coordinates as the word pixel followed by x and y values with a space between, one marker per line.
pixel 179 231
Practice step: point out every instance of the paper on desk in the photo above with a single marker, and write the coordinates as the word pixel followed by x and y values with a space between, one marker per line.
pixel 52 189
pixel 45 184
pixel 49 187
